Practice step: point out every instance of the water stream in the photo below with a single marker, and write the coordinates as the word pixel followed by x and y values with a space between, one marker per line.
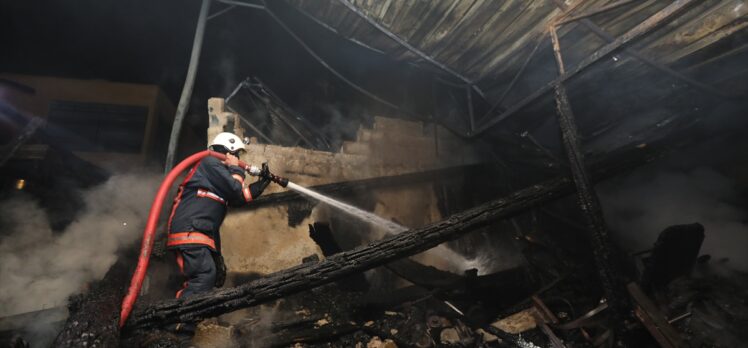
pixel 366 216
pixel 456 263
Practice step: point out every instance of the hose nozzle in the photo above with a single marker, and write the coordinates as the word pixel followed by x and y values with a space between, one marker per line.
pixel 278 179
pixel 264 172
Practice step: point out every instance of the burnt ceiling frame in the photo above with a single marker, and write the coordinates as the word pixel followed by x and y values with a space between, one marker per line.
pixel 323 62
pixel 335 31
pixel 402 42
pixel 273 105
pixel 595 29
pixel 634 33
pixel 470 86
pixel 586 195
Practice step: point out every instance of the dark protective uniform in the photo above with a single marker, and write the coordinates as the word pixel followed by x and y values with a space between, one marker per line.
pixel 196 216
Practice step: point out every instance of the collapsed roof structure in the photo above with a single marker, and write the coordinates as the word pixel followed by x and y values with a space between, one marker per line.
pixel 623 82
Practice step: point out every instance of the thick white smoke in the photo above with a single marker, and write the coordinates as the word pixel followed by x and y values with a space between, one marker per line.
pixel 643 204
pixel 40 268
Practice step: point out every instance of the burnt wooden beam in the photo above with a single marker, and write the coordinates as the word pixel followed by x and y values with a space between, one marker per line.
pixel 636 32
pixel 306 276
pixel 586 194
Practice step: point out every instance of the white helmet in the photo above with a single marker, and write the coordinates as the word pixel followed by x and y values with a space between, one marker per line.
pixel 228 140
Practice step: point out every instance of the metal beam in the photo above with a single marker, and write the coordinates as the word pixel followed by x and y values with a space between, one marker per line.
pixel 515 78
pixel 333 30
pixel 471 113
pixel 595 11
pixel 410 47
pixel 219 13
pixel 636 32
pixel 646 60
pixel 189 83
pixel 242 4
pixel 323 62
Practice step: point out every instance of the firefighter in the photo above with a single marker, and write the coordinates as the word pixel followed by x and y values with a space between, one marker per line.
pixel 199 208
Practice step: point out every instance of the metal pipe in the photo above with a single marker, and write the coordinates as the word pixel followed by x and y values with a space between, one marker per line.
pixel 335 31
pixel 227 9
pixel 515 79
pixel 243 4
pixel 322 61
pixel 471 116
pixel 184 100
pixel 410 47
pixel 595 11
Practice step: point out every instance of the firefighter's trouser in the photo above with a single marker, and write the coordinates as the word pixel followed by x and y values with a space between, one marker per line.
pixel 198 267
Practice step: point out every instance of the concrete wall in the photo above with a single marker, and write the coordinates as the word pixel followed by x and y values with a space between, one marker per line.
pixel 261 241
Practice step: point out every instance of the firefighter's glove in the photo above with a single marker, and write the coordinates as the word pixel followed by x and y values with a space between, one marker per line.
pixel 256 188
pixel 265 171
pixel 220 269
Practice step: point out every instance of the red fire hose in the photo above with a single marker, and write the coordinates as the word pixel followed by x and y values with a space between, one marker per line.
pixel 150 229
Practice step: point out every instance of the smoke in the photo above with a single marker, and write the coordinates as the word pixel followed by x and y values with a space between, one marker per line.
pixel 643 204
pixel 40 268
pixel 258 329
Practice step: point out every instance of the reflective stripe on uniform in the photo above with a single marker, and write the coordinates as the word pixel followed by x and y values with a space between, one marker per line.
pixel 238 178
pixel 182 238
pixel 211 195
pixel 247 194
pixel 180 263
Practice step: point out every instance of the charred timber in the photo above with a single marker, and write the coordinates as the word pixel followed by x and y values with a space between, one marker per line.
pixel 94 317
pixel 310 275
pixel 589 203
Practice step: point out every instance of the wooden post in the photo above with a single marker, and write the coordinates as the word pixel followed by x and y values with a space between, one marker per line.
pixel 586 195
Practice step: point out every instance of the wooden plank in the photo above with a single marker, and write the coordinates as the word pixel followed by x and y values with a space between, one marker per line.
pixel 653 319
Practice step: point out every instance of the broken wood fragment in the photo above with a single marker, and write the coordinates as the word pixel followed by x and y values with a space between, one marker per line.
pixel 653 319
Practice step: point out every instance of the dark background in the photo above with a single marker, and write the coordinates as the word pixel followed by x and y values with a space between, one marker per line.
pixel 146 41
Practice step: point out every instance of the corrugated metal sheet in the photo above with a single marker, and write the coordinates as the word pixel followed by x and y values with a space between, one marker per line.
pixel 486 42
pixel 482 39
